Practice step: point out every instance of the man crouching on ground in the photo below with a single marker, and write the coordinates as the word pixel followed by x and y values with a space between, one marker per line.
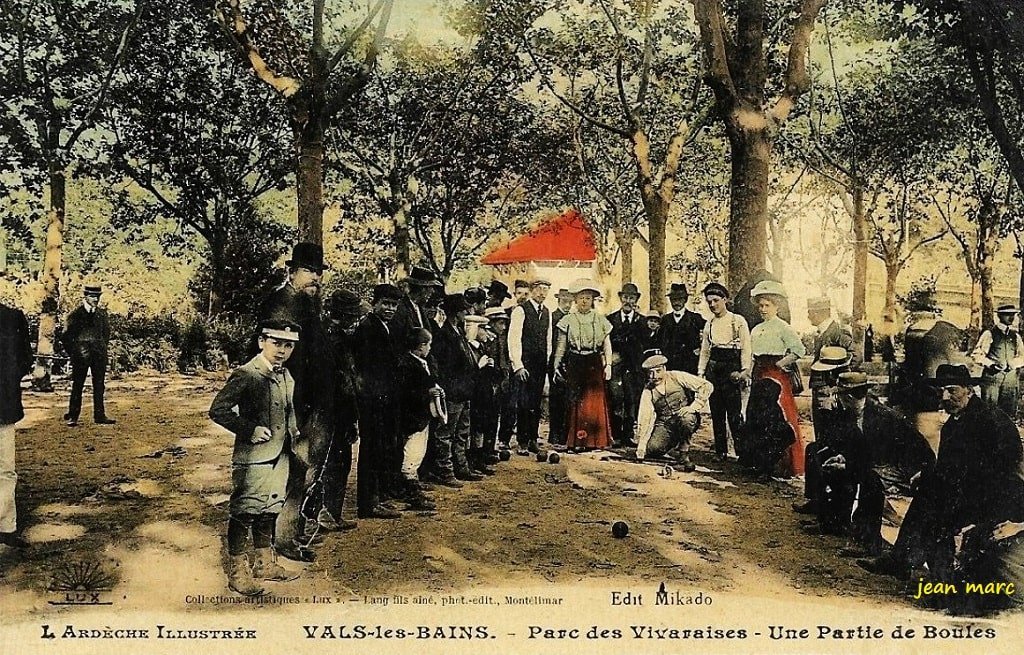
pixel 256 405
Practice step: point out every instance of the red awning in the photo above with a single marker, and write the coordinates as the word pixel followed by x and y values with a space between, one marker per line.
pixel 564 238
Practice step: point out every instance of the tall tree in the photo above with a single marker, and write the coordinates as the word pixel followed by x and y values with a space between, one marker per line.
pixel 737 42
pixel 286 45
pixel 196 131
pixel 58 60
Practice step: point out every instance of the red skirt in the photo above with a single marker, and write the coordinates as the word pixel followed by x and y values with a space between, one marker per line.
pixel 587 417
pixel 792 462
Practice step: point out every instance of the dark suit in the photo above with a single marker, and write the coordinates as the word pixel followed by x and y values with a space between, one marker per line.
pixel 557 391
pixel 627 381
pixel 976 481
pixel 85 340
pixel 15 362
pixel 310 366
pixel 330 492
pixel 376 359
pixel 680 340
pixel 408 317
pixel 457 373
pixel 535 343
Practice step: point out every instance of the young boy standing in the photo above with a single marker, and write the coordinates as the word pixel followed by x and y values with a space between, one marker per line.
pixel 256 405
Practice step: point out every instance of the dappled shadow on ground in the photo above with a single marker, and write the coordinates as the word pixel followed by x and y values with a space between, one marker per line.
pixel 146 498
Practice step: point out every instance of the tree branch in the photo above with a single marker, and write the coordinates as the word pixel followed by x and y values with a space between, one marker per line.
pixel 710 21
pixel 797 78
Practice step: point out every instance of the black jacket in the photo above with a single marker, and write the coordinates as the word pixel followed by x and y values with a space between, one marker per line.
pixel 414 384
pixel 15 362
pixel 308 363
pixel 680 342
pixel 456 363
pixel 376 358
pixel 625 340
pixel 87 333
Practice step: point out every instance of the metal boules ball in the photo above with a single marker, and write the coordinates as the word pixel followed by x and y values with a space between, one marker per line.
pixel 542 456
pixel 553 458
pixel 504 455
pixel 620 529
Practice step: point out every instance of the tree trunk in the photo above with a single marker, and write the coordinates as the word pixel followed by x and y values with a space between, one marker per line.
pixel 987 247
pixel 51 274
pixel 399 207
pixel 974 323
pixel 657 221
pixel 217 282
pixel 625 243
pixel 860 256
pixel 748 209
pixel 309 180
pixel 892 273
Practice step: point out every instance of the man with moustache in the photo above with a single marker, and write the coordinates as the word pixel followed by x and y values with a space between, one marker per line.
pixel 412 313
pixel 529 347
pixel 298 301
pixel 681 332
pixel 85 340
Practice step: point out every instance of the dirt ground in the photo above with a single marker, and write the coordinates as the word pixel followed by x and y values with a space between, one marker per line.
pixel 141 506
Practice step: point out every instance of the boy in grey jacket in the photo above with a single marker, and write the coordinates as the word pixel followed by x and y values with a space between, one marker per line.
pixel 256 405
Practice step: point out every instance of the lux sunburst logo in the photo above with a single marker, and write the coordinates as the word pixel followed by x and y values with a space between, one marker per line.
pixel 81 583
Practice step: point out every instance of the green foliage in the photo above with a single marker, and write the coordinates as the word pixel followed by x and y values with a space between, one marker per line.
pixel 921 297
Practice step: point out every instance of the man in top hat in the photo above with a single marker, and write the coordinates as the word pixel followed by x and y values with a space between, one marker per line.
pixel 681 332
pixel 497 293
pixel 411 314
pixel 1001 352
pixel 377 349
pixel 827 330
pixel 529 348
pixel 298 301
pixel 976 481
pixel 669 410
pixel 477 299
pixel 628 377
pixel 557 407
pixel 85 340
pixel 15 362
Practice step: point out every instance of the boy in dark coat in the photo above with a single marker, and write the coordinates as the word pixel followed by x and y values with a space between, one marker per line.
pixel 419 398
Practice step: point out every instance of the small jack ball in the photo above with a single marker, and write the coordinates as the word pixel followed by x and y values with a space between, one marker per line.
pixel 553 458
pixel 505 455
pixel 542 456
pixel 620 529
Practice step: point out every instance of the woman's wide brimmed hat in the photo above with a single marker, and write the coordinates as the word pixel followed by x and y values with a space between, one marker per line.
pixel 584 284
pixel 768 288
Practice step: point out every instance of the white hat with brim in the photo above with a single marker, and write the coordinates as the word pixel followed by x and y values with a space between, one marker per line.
pixel 286 334
pixel 583 284
pixel 768 287
pixel 473 318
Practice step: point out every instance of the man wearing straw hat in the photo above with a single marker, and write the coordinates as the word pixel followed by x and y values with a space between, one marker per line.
pixel 85 339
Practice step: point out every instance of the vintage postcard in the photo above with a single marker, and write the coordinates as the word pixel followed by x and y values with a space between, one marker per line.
pixel 547 326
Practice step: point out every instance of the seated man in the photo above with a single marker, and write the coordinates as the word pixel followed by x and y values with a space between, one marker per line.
pixel 975 481
pixel 669 411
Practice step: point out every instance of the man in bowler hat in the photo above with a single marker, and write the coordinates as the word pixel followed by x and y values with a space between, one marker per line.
pixel 85 340
pixel 681 331
pixel 298 301
pixel 628 377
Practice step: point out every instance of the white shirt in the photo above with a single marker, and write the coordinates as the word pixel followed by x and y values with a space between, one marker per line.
pixel 980 354
pixel 645 418
pixel 515 335
pixel 726 331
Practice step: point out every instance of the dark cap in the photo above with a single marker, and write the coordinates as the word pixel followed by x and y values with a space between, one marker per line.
pixel 307 255
pixel 475 295
pixel 422 277
pixel 92 290
pixel 454 303
pixel 519 284
pixel 499 289
pixel 947 375
pixel 343 301
pixel 715 289
pixel 386 292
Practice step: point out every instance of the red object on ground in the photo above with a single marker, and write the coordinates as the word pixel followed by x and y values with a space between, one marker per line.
pixel 564 238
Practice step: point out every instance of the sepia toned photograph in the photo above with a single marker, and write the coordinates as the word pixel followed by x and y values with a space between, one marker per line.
pixel 526 326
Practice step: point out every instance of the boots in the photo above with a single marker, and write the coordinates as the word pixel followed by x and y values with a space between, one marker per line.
pixel 266 568
pixel 240 576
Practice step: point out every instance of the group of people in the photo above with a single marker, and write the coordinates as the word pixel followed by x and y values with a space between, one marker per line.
pixel 435 387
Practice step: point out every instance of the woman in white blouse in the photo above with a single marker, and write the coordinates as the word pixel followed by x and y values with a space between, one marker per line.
pixel 776 347
pixel 584 347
